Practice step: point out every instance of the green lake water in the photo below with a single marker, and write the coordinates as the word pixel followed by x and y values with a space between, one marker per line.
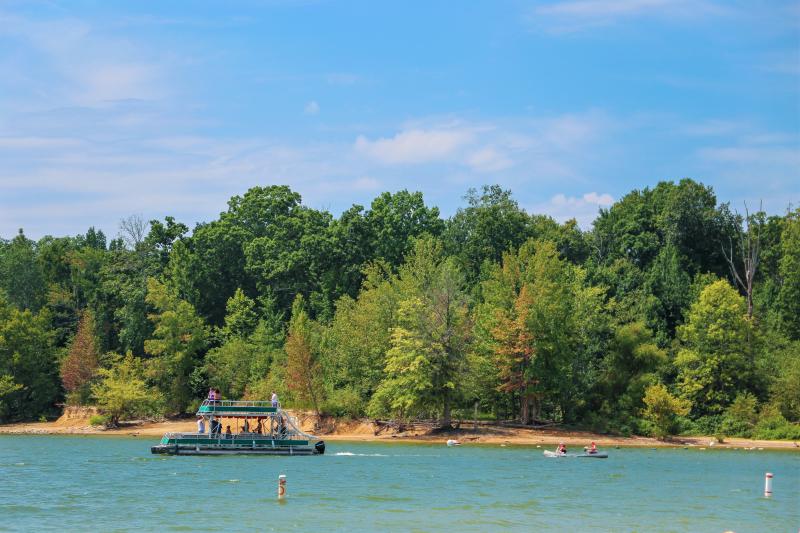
pixel 84 483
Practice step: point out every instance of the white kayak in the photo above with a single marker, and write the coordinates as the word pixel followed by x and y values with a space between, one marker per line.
pixel 548 453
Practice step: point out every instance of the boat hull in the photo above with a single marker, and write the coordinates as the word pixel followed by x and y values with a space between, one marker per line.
pixel 555 455
pixel 166 449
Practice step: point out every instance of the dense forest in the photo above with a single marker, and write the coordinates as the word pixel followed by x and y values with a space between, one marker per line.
pixel 674 313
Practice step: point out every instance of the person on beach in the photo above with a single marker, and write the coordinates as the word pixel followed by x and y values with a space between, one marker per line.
pixel 201 425
pixel 274 399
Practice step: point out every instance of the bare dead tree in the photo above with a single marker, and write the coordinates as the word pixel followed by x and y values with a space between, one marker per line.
pixel 747 251
pixel 133 231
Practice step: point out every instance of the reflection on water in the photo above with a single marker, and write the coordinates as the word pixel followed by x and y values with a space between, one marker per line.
pixel 102 483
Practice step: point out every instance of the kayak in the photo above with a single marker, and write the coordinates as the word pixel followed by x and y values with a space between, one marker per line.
pixel 548 453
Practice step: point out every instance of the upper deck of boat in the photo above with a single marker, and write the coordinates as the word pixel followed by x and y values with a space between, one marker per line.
pixel 237 408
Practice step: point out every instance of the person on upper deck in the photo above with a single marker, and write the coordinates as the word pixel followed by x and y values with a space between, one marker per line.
pixel 274 399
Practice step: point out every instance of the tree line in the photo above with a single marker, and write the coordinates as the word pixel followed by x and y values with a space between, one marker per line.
pixel 674 313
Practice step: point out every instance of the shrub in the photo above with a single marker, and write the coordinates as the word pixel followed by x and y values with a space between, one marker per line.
pixel 344 402
pixel 662 408
pixel 741 416
pixel 773 426
pixel 98 420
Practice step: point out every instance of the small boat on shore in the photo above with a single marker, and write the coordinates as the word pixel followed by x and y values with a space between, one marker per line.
pixel 548 453
pixel 266 430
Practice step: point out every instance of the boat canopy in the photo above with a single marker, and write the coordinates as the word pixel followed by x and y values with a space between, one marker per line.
pixel 237 409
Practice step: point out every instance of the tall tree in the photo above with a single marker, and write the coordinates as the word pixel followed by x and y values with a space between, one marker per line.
pixel 427 358
pixel 80 365
pixel 396 219
pixel 747 252
pixel 28 367
pixel 715 361
pixel 492 223
pixel 179 339
pixel 789 271
pixel 302 359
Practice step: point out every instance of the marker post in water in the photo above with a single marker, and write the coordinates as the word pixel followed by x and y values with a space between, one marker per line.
pixel 281 486
pixel 768 485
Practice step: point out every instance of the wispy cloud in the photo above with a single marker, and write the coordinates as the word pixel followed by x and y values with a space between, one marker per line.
pixel 78 64
pixel 312 108
pixel 577 15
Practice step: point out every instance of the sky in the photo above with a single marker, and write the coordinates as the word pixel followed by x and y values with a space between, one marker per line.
pixel 110 109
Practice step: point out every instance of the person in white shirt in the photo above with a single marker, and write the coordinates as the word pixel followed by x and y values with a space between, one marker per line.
pixel 274 399
pixel 201 425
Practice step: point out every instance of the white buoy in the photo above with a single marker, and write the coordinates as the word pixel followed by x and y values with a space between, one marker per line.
pixel 281 486
pixel 768 485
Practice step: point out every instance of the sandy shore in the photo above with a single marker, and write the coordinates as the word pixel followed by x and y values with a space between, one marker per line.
pixel 365 431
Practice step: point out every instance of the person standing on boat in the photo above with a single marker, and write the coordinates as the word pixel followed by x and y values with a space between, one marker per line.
pixel 201 425
pixel 274 400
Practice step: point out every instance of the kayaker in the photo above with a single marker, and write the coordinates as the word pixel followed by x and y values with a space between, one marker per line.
pixel 593 448
pixel 562 449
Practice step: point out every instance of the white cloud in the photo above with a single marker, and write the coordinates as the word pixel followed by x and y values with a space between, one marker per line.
pixel 583 208
pixel 414 146
pixel 312 108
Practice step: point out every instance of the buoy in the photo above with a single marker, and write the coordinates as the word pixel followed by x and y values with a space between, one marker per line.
pixel 768 484
pixel 281 486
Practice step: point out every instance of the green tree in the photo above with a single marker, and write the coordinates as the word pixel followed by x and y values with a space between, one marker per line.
pixel 492 223
pixel 395 220
pixel 179 339
pixel 302 358
pixel 715 361
pixel 122 391
pixel 789 272
pixel 28 368
pixel 241 318
pixel 21 274
pixel 360 336
pixel 662 408
pixel 631 366
pixel 429 343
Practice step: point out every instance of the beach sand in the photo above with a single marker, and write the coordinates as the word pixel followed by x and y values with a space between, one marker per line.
pixel 77 423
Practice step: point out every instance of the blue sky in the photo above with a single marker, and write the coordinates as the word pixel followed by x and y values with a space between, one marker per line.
pixel 109 109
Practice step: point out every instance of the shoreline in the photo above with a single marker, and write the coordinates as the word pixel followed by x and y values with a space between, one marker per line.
pixel 360 431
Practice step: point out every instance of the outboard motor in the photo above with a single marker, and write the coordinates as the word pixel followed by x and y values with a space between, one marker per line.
pixel 319 447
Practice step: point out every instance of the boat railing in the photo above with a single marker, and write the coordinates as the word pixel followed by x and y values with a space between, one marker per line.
pixel 240 403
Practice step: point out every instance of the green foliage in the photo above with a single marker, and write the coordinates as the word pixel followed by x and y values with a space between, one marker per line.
pixel 122 391
pixel 741 416
pixel 430 340
pixel 789 275
pixel 523 316
pixel 302 358
pixel 179 339
pixel 28 365
pixel 715 360
pixel 99 420
pixel 662 409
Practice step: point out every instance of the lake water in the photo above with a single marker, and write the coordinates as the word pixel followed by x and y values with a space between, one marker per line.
pixel 114 484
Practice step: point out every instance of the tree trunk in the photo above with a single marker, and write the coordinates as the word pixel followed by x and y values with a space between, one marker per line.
pixel 446 417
